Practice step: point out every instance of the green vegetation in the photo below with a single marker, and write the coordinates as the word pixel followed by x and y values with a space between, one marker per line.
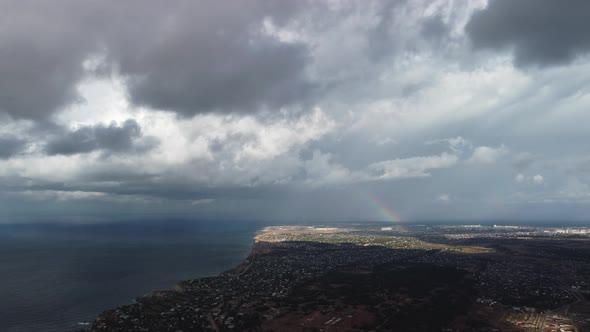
pixel 394 242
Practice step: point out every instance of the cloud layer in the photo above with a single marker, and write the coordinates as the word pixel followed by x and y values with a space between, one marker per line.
pixel 469 110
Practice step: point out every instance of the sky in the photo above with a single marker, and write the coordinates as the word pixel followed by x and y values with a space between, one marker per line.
pixel 333 110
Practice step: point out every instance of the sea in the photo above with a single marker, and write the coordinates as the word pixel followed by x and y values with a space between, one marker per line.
pixel 60 276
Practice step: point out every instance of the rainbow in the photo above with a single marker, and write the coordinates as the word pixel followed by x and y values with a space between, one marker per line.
pixel 383 210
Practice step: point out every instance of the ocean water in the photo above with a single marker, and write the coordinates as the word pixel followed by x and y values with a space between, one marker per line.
pixel 54 276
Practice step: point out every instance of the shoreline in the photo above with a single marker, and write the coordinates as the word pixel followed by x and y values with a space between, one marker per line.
pixel 179 287
pixel 280 281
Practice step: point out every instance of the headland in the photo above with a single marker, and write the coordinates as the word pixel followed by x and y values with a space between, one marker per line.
pixel 400 277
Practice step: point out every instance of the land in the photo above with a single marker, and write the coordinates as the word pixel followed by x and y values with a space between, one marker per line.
pixel 397 278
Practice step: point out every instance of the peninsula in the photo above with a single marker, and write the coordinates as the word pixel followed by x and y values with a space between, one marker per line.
pixel 358 278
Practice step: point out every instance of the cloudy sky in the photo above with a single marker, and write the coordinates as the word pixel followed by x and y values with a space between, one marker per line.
pixel 295 110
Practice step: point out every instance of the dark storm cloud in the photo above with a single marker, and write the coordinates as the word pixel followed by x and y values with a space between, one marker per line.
pixel 112 138
pixel 540 32
pixel 183 56
pixel 173 188
pixel 41 54
pixel 211 56
pixel 10 146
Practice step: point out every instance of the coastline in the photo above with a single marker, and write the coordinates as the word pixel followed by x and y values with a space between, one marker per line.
pixel 265 240
pixel 181 286
pixel 302 277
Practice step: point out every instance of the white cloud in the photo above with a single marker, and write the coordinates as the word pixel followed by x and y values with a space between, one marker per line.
pixel 59 195
pixel 383 141
pixel 457 145
pixel 487 155
pixel 445 198
pixel 202 201
pixel 538 179
pixel 321 170
pixel 274 139
pixel 410 167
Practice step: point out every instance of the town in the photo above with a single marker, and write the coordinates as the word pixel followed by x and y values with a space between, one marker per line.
pixel 356 278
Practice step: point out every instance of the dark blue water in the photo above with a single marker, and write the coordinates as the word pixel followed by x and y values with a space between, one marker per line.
pixel 53 276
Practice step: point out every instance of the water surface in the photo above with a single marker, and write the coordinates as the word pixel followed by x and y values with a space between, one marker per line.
pixel 53 276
